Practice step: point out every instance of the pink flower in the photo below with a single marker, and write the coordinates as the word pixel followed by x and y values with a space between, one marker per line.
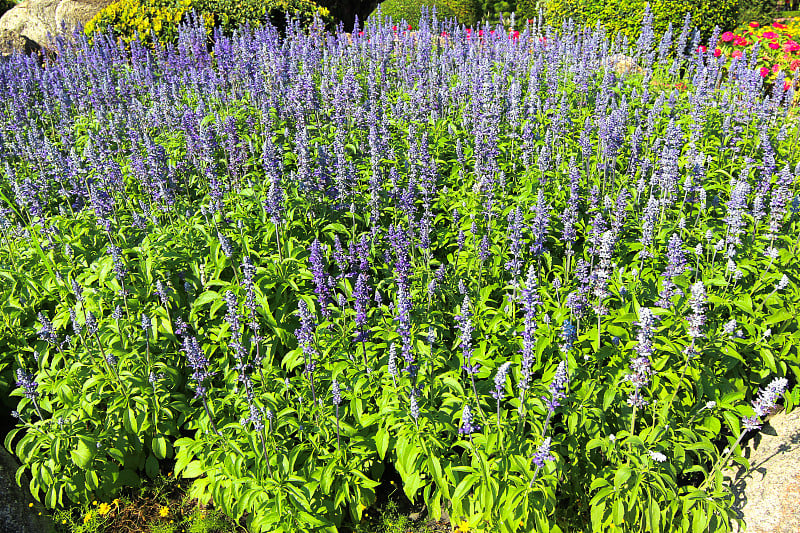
pixel 794 64
pixel 774 45
pixel 764 71
pixel 769 35
pixel 702 49
pixel 753 24
pixel 776 67
pixel 736 54
pixel 791 46
pixel 717 52
pixel 787 84
pixel 741 41
pixel 779 26
pixel 727 36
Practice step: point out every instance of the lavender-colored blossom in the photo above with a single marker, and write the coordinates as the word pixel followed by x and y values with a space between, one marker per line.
pixel 543 454
pixel 765 402
pixel 27 382
pixel 557 388
pixel 697 303
pixel 500 381
pixel 467 426
pixel 47 332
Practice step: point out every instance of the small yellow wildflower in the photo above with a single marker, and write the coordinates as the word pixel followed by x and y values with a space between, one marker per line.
pixel 103 509
pixel 88 517
pixel 163 512
pixel 30 504
pixel 94 502
pixel 463 527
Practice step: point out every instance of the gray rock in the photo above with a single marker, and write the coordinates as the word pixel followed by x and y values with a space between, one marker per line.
pixel 15 514
pixel 32 23
pixel 767 496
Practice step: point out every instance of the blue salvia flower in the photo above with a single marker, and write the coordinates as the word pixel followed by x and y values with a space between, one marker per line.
pixel 27 382
pixel 765 403
pixel 514 264
pixel 91 323
pixel 569 334
pixel 47 333
pixel 146 323
pixel 225 245
pixel 557 388
pixel 199 364
pixel 392 365
pixel 413 406
pixel 640 365
pixel 321 281
pixel 543 454
pixel 467 427
pixel 530 303
pixel 697 303
pixel 162 292
pixel 500 381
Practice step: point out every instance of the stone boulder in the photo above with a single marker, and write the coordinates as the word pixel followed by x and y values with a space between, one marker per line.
pixel 767 495
pixel 27 25
pixel 15 514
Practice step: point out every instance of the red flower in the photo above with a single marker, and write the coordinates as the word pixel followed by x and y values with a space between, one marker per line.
pixel 774 45
pixel 530 21
pixel 753 24
pixel 769 35
pixel 741 41
pixel 779 26
pixel 702 48
pixel 515 35
pixel 410 27
pixel 736 54
pixel 728 36
pixel 787 84
pixel 717 52
pixel 394 28
pixel 791 46
pixel 764 71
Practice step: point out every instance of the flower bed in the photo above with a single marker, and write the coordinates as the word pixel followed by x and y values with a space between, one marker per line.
pixel 546 295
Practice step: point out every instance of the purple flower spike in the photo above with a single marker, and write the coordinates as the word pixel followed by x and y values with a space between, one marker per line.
pixel 467 427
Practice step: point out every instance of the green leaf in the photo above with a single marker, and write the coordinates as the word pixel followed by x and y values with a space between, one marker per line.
pixel 160 447
pixel 84 453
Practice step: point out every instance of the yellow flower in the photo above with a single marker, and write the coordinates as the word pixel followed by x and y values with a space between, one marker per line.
pixel 30 504
pixel 104 509
pixel 164 511
pixel 88 517
pixel 463 527
pixel 94 502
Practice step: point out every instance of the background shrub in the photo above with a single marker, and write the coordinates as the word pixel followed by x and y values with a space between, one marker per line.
pixel 464 11
pixel 626 15
pixel 761 11
pixel 159 19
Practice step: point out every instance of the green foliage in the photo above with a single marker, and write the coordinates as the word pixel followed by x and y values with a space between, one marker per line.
pixel 625 16
pixel 158 19
pixel 5 5
pixel 466 12
pixel 149 19
pixel 761 11
pixel 229 15
pixel 529 9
